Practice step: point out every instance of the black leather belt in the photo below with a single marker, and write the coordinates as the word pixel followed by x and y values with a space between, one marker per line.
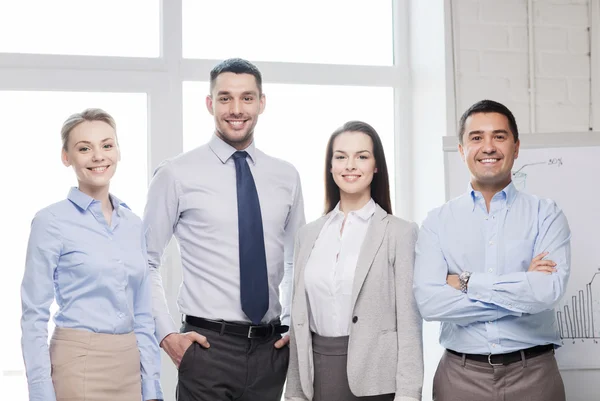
pixel 505 359
pixel 237 329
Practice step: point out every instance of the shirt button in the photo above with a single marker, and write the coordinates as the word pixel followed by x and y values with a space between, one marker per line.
pixel 491 242
pixel 121 315
pixel 493 345
pixel 491 270
pixel 486 218
pixel 490 322
pixel 355 319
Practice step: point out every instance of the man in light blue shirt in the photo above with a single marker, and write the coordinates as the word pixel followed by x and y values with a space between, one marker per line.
pixel 491 265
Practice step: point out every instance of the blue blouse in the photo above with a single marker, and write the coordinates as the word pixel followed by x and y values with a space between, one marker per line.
pixel 98 275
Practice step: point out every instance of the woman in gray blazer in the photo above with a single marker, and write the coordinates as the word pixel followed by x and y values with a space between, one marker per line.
pixel 356 330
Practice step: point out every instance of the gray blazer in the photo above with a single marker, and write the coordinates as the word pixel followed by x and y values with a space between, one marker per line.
pixel 385 350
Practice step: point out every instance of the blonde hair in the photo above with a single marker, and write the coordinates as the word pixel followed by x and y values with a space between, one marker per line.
pixel 92 114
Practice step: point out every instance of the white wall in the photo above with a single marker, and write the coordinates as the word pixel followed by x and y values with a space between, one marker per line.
pixel 492 59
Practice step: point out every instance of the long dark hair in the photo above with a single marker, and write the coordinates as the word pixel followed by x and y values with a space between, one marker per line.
pixel 380 186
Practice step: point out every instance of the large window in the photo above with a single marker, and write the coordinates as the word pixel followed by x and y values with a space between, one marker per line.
pixel 310 31
pixel 147 62
pixel 34 177
pixel 83 27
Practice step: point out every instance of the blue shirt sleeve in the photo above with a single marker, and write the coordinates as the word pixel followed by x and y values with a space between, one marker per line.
pixel 37 294
pixel 148 345
pixel 531 292
pixel 437 300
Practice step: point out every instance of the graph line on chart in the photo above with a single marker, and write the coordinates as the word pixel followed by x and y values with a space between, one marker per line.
pixel 577 320
pixel 519 176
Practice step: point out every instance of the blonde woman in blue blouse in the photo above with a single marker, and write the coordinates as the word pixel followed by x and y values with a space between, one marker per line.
pixel 87 252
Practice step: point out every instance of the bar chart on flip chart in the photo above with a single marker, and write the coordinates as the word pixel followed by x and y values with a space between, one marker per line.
pixel 578 319
pixel 564 168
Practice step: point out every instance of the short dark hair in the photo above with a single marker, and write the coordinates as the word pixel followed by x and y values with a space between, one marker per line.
pixel 237 66
pixel 380 186
pixel 488 106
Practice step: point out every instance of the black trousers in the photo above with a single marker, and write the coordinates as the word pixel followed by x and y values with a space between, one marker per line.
pixel 233 368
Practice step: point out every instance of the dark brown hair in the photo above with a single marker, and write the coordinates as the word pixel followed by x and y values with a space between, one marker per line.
pixel 380 186
pixel 488 106
pixel 236 66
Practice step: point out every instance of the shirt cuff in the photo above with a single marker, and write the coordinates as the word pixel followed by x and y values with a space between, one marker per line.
pixel 285 318
pixel 164 326
pixel 42 391
pixel 151 390
pixel 480 287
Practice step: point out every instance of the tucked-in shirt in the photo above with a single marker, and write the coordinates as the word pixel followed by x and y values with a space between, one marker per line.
pixel 506 308
pixel 98 275
pixel 194 197
pixel 329 272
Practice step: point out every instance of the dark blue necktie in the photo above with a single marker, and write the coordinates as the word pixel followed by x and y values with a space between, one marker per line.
pixel 254 283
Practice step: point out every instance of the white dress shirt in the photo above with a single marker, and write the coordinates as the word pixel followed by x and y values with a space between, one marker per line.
pixel 193 197
pixel 329 272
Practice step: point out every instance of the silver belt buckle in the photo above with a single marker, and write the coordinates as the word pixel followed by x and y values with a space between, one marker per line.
pixel 490 361
pixel 250 331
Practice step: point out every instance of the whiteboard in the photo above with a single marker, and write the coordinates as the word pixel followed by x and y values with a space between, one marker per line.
pixel 564 167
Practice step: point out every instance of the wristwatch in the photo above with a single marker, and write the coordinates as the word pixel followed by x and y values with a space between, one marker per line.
pixel 463 280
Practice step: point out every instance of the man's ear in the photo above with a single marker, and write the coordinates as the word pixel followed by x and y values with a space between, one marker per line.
pixel 461 150
pixel 263 103
pixel 209 104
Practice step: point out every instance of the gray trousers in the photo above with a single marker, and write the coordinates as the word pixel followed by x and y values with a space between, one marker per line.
pixel 330 356
pixel 233 368
pixel 533 379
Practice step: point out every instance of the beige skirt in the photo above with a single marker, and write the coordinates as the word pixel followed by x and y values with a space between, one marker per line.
pixel 90 366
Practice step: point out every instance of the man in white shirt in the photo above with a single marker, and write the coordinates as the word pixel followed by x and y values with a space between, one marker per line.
pixel 234 211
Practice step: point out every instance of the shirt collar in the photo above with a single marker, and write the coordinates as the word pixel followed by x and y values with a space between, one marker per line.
pixel 224 151
pixel 364 212
pixel 83 201
pixel 117 203
pixel 509 193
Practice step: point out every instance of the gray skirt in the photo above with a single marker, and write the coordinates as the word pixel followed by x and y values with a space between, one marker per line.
pixel 330 355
